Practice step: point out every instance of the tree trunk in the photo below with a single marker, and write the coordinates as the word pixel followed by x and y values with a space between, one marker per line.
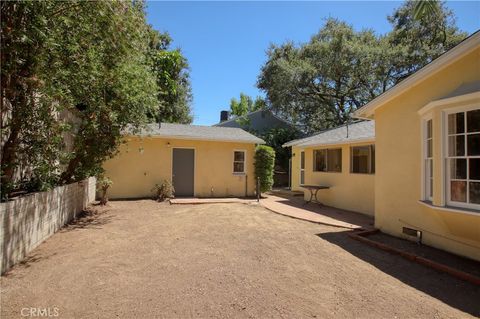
pixel 18 100
pixel 9 155
pixel 67 175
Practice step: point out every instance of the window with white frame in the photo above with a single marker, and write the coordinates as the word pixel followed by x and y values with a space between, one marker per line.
pixel 428 159
pixel 463 158
pixel 239 161
pixel 327 160
pixel 302 167
pixel 362 159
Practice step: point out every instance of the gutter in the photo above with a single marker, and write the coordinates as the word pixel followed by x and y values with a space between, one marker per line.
pixel 196 138
pixel 343 142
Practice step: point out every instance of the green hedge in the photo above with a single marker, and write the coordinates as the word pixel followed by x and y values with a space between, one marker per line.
pixel 264 165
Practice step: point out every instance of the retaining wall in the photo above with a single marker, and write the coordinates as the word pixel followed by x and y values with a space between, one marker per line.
pixel 27 221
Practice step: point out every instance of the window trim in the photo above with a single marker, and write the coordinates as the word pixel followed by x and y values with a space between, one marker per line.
pixel 244 162
pixel 424 152
pixel 302 152
pixel 326 160
pixel 370 157
pixel 451 209
pixel 446 201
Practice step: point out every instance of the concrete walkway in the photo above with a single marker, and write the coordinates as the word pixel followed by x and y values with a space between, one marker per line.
pixel 197 201
pixel 293 206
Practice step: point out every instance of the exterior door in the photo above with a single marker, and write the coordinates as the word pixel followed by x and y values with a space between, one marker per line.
pixel 302 168
pixel 183 171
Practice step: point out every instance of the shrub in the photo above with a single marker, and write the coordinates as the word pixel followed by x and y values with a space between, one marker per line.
pixel 164 190
pixel 264 165
pixel 104 184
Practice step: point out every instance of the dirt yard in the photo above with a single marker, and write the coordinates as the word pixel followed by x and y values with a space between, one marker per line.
pixel 141 259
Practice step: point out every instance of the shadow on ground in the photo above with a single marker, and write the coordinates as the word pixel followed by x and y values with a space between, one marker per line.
pixel 459 294
pixel 91 218
pixel 335 213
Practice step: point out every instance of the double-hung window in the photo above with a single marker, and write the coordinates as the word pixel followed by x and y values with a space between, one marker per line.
pixel 362 159
pixel 463 158
pixel 327 160
pixel 239 162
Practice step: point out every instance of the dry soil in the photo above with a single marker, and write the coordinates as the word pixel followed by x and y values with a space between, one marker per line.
pixel 142 259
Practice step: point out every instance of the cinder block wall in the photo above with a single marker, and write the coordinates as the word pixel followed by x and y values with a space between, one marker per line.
pixel 27 221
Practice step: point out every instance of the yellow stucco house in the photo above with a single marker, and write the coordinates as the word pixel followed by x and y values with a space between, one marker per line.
pixel 426 156
pixel 343 159
pixel 201 161
pixel 428 152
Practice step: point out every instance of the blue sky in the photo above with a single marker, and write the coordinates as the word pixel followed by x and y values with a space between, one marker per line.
pixel 225 42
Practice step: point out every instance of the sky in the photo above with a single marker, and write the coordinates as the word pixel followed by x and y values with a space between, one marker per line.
pixel 225 42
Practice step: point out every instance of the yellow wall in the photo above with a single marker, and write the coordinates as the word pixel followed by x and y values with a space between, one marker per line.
pixel 348 191
pixel 135 173
pixel 398 185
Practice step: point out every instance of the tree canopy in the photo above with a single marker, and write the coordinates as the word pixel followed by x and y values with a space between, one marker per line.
pixel 246 104
pixel 319 84
pixel 170 69
pixel 74 76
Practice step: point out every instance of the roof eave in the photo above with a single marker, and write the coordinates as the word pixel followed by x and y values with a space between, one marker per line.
pixel 196 138
pixel 344 142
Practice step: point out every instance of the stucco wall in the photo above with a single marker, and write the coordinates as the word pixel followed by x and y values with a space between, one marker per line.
pixel 398 185
pixel 348 191
pixel 134 173
pixel 29 220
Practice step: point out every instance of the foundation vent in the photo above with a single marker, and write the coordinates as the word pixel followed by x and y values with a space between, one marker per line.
pixel 413 233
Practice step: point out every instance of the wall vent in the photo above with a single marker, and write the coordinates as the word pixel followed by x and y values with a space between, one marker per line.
pixel 414 233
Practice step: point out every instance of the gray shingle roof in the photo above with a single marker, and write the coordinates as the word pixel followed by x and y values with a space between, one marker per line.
pixel 198 132
pixel 364 130
pixel 260 121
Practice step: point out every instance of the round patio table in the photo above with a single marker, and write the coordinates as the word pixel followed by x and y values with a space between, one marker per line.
pixel 313 192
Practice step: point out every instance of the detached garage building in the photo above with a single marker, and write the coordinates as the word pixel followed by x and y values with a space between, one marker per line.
pixel 201 161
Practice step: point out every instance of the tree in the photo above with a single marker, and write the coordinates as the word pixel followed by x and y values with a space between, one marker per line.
pixel 264 165
pixel 259 104
pixel 170 69
pixel 102 64
pixel 241 107
pixel 275 138
pixel 69 68
pixel 422 31
pixel 246 105
pixel 320 83
pixel 423 8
